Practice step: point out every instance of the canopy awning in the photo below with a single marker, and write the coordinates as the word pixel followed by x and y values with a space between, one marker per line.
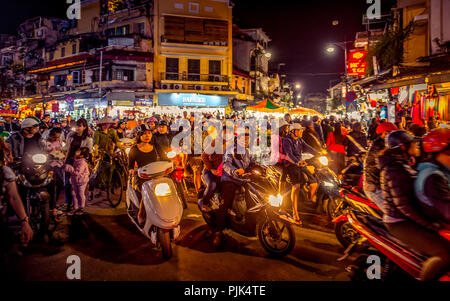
pixel 304 111
pixel 267 106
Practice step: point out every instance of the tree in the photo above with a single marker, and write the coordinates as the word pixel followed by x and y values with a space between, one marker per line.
pixel 389 50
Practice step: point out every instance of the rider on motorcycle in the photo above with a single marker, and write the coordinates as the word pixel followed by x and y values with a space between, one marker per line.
pixel 432 185
pixel 297 174
pixel 402 214
pixel 371 185
pixel 234 166
pixel 162 140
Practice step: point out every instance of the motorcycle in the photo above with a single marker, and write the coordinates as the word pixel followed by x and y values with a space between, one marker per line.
pixel 255 213
pixel 395 255
pixel 161 202
pixel 36 176
pixel 353 198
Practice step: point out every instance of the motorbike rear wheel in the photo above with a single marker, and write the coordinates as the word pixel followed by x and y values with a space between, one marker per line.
pixel 346 235
pixel 115 192
pixel 270 234
pixel 164 241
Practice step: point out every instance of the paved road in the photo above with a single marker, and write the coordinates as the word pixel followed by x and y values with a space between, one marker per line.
pixel 111 248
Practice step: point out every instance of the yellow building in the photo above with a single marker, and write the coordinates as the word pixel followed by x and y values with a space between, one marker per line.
pixel 193 63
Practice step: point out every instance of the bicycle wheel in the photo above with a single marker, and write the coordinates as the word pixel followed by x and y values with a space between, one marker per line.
pixel 115 191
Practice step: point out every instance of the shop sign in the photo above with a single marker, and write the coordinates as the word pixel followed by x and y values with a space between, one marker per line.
pixel 55 107
pixel 191 100
pixel 356 64
pixel 138 102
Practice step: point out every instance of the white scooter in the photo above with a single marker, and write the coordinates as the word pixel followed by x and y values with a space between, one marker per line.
pixel 162 204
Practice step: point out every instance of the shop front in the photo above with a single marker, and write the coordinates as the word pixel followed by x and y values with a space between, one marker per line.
pixel 177 103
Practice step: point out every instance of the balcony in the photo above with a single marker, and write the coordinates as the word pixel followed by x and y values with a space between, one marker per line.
pixel 193 77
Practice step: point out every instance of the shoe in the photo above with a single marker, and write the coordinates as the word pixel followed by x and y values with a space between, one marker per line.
pixel 79 212
pixel 217 240
pixel 71 212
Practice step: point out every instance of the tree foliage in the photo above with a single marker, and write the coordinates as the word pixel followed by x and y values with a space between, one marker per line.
pixel 389 50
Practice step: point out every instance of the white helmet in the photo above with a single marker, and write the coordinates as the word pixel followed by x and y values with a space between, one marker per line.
pixel 296 126
pixel 29 122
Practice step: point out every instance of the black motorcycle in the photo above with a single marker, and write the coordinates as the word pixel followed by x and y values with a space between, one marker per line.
pixel 255 212
pixel 35 174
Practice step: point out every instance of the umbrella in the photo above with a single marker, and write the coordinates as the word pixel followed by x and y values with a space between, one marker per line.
pixel 267 106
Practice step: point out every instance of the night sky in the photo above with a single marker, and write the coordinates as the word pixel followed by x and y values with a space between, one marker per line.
pixel 300 30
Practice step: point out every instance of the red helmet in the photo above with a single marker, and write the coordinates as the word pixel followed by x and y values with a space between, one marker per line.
pixel 386 127
pixel 436 140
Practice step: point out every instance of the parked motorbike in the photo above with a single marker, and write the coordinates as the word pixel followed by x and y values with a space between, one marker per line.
pixel 36 175
pixel 396 257
pixel 155 188
pixel 255 213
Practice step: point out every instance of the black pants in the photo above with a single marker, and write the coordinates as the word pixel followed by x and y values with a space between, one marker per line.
pixel 425 241
pixel 227 191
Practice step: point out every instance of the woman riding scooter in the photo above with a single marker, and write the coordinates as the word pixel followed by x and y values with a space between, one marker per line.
pixel 402 214
pixel 140 155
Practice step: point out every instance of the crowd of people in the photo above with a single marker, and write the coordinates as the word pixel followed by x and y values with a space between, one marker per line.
pixel 403 165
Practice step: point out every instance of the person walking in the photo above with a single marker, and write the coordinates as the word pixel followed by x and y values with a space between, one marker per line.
pixel 79 178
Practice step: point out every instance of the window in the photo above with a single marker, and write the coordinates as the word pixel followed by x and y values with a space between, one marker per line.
pixel 123 30
pixel 141 28
pixel 74 48
pixel 51 55
pixel 194 7
pixel 214 68
pixel 194 70
pixel 179 5
pixel 172 65
pixel 76 77
pixel 63 52
pixel 124 74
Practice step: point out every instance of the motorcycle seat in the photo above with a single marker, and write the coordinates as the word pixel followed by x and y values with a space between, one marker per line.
pixel 377 226
pixel 154 169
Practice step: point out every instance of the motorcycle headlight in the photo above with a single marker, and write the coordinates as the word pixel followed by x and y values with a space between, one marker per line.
pixel 275 201
pixel 163 189
pixel 323 160
pixel 127 150
pixel 328 184
pixel 39 158
pixel 171 155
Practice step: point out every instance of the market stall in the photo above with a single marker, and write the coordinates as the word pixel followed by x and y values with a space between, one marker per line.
pixel 266 107
pixel 305 111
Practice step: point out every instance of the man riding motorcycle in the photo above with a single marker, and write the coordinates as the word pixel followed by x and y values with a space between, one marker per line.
pixel 234 166
pixel 402 214
pixel 297 174
pixel 371 185
pixel 432 185
pixel 162 140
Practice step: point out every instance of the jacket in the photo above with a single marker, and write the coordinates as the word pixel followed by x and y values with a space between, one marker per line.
pixel 79 172
pixel 432 188
pixel 313 139
pixel 102 139
pixel 212 161
pixel 293 149
pixel 319 131
pixel 351 148
pixel 162 144
pixel 371 170
pixel 16 143
pixel 87 142
pixel 233 162
pixel 397 184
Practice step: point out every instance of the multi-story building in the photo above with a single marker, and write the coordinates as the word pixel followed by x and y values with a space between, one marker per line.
pixel 193 63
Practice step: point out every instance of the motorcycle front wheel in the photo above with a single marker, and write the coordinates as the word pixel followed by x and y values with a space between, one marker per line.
pixel 276 236
pixel 164 241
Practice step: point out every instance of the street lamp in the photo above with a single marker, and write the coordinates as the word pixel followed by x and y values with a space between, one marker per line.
pixel 268 55
pixel 298 86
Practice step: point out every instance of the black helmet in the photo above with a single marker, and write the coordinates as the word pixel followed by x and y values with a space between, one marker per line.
pixel 144 127
pixel 163 122
pixel 398 138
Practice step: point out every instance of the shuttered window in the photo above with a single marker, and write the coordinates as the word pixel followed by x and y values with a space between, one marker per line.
pixel 195 31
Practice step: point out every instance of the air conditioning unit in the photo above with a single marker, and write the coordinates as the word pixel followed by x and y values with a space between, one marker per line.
pixel 198 87
pixel 216 88
pixel 217 78
pixel 166 86
pixel 211 43
pixel 217 43
pixel 178 87
pixel 223 43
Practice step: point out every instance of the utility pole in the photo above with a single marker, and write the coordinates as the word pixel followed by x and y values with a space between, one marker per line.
pixel 100 82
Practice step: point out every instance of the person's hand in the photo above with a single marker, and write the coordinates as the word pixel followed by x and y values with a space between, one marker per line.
pixel 240 172
pixel 27 234
pixel 215 172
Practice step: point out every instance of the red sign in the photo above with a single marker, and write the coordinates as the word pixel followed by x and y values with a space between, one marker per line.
pixel 356 64
pixel 351 96
pixel 55 107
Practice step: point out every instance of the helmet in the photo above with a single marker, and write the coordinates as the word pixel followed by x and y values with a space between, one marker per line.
pixel 29 122
pixel 163 122
pixel 296 126
pixel 386 127
pixel 436 140
pixel 144 127
pixel 282 122
pixel 398 138
pixel 152 119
